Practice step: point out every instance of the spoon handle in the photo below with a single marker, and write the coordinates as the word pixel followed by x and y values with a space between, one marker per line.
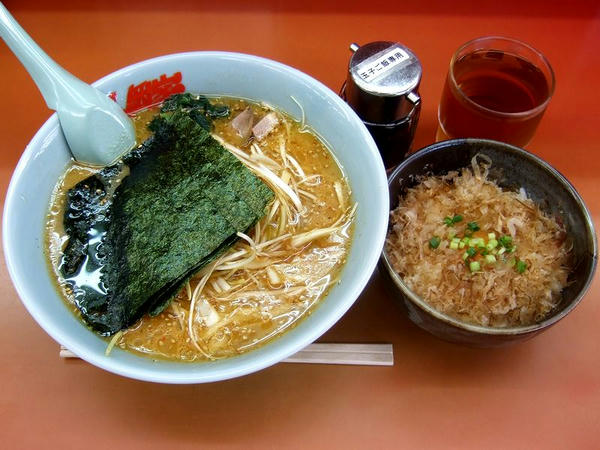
pixel 97 130
pixel 51 79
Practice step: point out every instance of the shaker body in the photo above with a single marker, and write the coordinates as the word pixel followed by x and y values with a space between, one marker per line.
pixel 382 87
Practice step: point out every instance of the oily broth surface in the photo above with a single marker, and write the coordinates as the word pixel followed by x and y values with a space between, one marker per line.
pixel 253 319
pixel 311 154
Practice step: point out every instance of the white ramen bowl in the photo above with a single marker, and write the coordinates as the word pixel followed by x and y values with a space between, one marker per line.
pixel 214 73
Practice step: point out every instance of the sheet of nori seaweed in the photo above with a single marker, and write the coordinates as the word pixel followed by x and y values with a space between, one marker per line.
pixel 182 204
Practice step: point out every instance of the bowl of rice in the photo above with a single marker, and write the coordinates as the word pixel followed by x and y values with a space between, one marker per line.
pixel 487 243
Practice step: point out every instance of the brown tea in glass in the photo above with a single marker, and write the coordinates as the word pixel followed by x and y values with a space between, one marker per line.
pixel 496 88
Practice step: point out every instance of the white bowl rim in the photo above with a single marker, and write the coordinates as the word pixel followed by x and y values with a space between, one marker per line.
pixel 249 364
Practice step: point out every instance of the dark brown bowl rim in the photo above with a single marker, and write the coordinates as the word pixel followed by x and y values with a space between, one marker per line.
pixel 423 305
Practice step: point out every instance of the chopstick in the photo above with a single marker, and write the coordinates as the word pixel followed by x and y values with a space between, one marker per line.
pixel 350 354
pixel 355 354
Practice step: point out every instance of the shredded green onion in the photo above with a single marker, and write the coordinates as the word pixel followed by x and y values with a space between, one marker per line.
pixel 492 243
pixel 434 242
pixel 477 242
pixel 505 241
pixel 474 266
pixel 472 226
pixel 449 221
pixel 489 249
pixel 490 259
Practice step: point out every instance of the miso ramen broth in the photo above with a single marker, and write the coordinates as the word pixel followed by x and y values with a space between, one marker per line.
pixel 273 275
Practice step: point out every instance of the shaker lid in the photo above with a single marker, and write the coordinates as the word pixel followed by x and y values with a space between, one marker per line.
pixel 385 68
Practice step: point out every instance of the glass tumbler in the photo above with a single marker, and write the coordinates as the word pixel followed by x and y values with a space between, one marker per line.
pixel 497 88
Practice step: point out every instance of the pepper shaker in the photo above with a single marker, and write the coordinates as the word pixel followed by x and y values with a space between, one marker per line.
pixel 382 87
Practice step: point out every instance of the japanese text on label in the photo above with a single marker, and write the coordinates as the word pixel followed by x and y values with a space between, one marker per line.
pixel 382 64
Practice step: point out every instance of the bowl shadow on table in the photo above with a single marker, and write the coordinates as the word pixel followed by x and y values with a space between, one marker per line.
pixel 246 404
pixel 417 351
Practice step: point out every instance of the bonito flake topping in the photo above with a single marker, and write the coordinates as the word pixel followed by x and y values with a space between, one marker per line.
pixel 476 252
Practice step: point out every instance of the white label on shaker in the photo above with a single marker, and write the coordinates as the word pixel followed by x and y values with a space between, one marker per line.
pixel 369 70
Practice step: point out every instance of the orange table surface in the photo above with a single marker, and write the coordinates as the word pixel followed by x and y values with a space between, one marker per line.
pixel 543 393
